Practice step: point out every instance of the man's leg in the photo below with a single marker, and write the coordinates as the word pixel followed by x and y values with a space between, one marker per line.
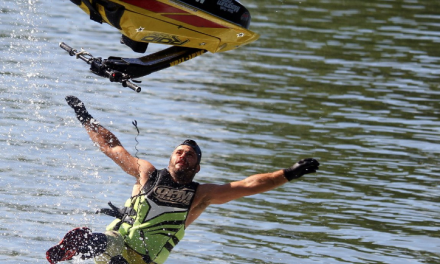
pixel 113 251
pixel 118 260
pixel 79 241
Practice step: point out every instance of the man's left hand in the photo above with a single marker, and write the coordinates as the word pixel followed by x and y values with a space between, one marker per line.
pixel 302 167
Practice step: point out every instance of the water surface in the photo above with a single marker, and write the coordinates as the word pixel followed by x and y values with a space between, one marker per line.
pixel 354 84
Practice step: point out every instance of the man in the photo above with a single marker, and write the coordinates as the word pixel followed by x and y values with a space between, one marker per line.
pixel 163 203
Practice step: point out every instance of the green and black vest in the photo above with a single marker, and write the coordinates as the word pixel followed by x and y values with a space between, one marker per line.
pixel 153 222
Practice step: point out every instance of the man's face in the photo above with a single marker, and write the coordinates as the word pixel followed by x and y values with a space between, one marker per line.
pixel 183 163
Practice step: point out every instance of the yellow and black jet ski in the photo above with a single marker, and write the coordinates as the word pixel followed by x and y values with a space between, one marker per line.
pixel 191 27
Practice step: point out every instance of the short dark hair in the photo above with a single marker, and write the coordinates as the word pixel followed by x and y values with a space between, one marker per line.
pixel 195 147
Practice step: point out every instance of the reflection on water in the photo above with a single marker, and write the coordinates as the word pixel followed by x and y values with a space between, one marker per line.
pixel 352 83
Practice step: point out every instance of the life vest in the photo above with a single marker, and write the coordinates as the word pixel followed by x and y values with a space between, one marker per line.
pixel 153 222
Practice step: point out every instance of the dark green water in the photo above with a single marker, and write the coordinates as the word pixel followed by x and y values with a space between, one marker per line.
pixel 354 84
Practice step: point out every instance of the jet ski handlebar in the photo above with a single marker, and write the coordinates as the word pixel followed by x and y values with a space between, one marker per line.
pixel 98 67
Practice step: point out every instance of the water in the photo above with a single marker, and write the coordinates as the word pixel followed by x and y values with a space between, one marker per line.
pixel 352 83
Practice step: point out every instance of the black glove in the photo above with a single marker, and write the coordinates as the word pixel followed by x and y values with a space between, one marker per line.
pixel 80 110
pixel 300 168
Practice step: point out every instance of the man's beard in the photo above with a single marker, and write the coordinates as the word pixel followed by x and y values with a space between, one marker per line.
pixel 185 175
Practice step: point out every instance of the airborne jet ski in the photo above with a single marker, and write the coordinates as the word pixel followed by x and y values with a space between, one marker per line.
pixel 191 27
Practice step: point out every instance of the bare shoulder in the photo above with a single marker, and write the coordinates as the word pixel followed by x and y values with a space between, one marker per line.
pixel 213 193
pixel 202 199
pixel 145 169
pixel 208 189
pixel 208 194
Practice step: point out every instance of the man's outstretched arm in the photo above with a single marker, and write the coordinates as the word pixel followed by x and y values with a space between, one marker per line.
pixel 219 194
pixel 258 183
pixel 109 143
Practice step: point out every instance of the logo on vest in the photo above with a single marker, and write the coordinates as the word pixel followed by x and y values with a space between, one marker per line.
pixel 175 196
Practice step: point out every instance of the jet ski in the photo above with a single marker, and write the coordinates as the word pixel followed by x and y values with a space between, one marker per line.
pixel 190 27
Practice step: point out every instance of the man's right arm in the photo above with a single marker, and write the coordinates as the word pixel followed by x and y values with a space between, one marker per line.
pixel 109 144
